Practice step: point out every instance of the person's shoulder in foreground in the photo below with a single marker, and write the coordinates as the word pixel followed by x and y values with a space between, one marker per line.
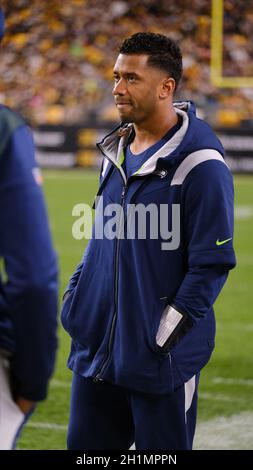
pixel 28 282
pixel 28 278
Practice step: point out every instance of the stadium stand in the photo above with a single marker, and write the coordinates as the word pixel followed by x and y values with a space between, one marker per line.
pixel 57 56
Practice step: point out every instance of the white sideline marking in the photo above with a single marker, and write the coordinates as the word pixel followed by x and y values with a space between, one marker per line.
pixel 216 380
pixel 232 433
pixel 243 212
pixel 229 381
pixel 235 327
pixel 60 384
pixel 54 426
pixel 219 397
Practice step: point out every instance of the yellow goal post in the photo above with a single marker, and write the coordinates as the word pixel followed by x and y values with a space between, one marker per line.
pixel 217 78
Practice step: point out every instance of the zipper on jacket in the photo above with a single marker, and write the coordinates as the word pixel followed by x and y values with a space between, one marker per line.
pixel 98 375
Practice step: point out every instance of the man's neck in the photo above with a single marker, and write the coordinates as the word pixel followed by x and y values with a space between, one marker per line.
pixel 148 133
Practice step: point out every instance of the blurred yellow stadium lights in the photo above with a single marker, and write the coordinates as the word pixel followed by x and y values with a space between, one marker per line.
pixel 217 77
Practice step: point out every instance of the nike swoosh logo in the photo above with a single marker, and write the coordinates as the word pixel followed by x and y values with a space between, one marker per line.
pixel 218 242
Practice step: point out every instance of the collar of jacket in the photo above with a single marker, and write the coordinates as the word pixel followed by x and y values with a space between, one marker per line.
pixel 112 146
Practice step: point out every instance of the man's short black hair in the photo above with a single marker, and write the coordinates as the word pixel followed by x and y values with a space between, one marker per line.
pixel 163 52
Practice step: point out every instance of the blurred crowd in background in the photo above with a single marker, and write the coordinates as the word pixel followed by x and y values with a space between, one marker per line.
pixel 57 57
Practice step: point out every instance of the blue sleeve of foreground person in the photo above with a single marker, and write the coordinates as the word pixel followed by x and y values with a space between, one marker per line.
pixel 30 291
pixel 208 230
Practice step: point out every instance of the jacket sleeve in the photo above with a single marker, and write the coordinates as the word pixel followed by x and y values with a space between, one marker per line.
pixel 31 267
pixel 208 234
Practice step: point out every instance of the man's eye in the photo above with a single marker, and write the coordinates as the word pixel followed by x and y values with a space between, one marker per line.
pixel 116 79
pixel 131 78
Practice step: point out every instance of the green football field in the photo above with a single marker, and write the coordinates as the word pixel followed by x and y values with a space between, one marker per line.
pixel 226 390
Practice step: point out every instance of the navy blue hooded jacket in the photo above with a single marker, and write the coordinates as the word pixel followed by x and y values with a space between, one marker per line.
pixel 118 293
pixel 28 275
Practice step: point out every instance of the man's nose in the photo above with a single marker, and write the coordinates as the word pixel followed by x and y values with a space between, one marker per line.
pixel 120 87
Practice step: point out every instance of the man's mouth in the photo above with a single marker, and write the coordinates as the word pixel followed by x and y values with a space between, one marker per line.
pixel 122 104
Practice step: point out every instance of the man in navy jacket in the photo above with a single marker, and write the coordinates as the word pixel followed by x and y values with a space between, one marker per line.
pixel 28 280
pixel 139 307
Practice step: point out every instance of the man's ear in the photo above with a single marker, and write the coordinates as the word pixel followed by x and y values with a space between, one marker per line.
pixel 167 88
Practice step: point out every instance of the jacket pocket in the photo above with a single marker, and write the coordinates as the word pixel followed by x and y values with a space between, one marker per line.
pixel 87 312
pixel 191 354
pixel 66 308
